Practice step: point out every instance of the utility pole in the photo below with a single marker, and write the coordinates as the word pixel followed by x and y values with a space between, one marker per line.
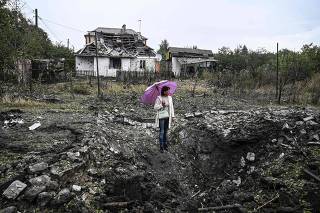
pixel 68 43
pixel 277 83
pixel 139 26
pixel 97 62
pixel 36 17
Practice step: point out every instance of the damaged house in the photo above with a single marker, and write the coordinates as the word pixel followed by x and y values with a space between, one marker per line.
pixel 188 61
pixel 119 49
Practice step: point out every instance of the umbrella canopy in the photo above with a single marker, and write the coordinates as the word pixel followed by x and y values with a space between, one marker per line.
pixel 152 92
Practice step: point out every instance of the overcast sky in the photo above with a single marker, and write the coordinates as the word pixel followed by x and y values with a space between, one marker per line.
pixel 209 24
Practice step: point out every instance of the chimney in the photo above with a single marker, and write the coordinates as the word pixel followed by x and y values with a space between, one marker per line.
pixel 124 28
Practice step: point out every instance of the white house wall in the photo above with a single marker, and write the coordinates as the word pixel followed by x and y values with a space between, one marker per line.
pixel 104 70
pixel 84 63
pixel 150 64
pixel 125 64
pixel 176 66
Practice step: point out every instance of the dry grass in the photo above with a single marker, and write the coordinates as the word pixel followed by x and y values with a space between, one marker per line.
pixel 9 101
pixel 187 87
pixel 115 88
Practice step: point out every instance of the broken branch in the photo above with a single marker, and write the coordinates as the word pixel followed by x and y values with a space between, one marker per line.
pixel 313 143
pixel 270 201
pixel 311 174
pixel 217 208
pixel 196 194
pixel 117 204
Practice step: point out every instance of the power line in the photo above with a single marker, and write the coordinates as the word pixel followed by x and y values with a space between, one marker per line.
pixel 53 22
pixel 30 8
pixel 46 22
pixel 54 35
pixel 62 25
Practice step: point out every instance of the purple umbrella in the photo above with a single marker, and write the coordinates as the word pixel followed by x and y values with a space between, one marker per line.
pixel 152 92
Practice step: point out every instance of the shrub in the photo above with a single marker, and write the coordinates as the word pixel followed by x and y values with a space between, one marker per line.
pixel 81 89
pixel 314 88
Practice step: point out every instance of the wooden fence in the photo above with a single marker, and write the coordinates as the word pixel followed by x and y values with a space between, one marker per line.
pixel 84 73
pixel 141 77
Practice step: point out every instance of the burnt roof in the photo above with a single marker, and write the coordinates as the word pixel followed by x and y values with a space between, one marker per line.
pixel 115 31
pixel 115 51
pixel 178 51
pixel 117 42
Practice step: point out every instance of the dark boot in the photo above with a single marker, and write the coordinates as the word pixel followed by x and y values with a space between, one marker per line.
pixel 161 149
pixel 165 147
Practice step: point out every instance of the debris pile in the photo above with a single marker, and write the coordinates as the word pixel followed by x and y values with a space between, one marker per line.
pixel 262 159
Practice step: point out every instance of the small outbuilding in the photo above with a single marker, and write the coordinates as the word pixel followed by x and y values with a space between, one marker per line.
pixel 188 61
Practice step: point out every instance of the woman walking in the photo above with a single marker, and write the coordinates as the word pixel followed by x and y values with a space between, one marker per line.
pixel 165 116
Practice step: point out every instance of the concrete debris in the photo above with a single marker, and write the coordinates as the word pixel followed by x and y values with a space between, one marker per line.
pixel 10 209
pixel 39 167
pixel 315 137
pixel 311 123
pixel 62 197
pixel 84 149
pixel 251 156
pixel 198 114
pixel 286 126
pixel 109 162
pixel 34 126
pixel 251 170
pixel 44 198
pixel 13 122
pixel 92 172
pixel 92 191
pixel 226 132
pixel 189 115
pixel 237 181
pixel 32 192
pixel 14 190
pixel 73 155
pixel 43 180
pixel 242 162
pixel 76 188
pixel 308 118
pixel 313 143
pixel 281 155
pixel 303 131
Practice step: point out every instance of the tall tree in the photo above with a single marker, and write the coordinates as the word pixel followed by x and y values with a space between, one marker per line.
pixel 163 48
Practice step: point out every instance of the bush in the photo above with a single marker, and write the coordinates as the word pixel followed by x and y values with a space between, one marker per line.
pixel 314 88
pixel 81 89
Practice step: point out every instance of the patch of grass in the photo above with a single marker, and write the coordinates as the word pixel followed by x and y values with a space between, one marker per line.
pixel 82 89
pixel 9 101
pixel 120 88
pixel 7 157
pixel 187 87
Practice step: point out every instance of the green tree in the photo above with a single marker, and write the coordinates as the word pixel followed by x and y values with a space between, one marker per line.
pixel 22 40
pixel 163 48
pixel 7 51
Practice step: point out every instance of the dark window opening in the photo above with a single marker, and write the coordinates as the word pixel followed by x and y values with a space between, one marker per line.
pixel 142 64
pixel 115 63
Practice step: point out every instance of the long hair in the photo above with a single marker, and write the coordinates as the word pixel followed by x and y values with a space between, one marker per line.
pixel 164 89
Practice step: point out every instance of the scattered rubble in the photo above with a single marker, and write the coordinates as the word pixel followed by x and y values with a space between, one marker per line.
pixel 14 190
pixel 39 167
pixel 251 156
pixel 255 159
pixel 34 126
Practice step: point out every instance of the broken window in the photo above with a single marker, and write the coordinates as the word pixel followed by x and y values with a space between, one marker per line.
pixel 142 64
pixel 115 63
